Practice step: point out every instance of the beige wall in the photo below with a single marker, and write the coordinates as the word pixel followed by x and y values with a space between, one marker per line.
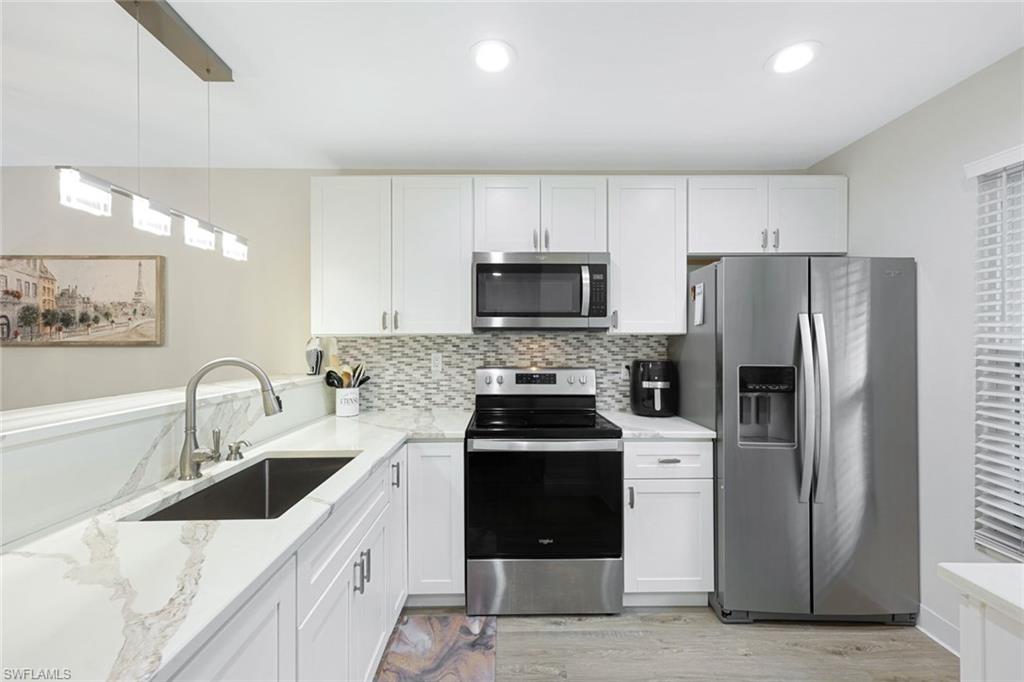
pixel 258 309
pixel 909 197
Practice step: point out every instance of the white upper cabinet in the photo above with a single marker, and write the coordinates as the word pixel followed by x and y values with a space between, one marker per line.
pixel 807 213
pixel 647 242
pixel 754 214
pixel 728 213
pixel 432 243
pixel 350 255
pixel 507 213
pixel 574 213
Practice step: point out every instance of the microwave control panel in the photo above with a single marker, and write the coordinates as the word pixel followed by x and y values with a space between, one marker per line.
pixel 598 290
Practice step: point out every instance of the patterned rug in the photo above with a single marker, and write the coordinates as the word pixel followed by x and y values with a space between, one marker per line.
pixel 449 647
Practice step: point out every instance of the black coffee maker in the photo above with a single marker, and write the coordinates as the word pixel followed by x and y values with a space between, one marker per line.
pixel 652 388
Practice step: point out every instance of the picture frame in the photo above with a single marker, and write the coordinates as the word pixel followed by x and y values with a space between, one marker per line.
pixel 86 301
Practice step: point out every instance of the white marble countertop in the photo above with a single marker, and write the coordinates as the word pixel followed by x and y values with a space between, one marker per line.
pixel 109 598
pixel 1000 585
pixel 634 426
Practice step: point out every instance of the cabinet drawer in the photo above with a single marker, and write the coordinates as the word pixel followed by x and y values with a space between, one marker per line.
pixel 668 459
pixel 325 553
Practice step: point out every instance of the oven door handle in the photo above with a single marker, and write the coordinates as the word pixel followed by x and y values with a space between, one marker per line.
pixel 543 445
pixel 585 302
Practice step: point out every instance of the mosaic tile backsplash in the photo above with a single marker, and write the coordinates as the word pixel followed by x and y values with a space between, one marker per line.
pixel 400 365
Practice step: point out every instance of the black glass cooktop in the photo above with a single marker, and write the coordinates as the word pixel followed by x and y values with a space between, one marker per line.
pixel 519 423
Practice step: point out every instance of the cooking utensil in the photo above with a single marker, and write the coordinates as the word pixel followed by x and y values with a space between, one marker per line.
pixel 333 379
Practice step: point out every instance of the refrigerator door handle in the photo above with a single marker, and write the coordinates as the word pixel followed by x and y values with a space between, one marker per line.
pixel 807 446
pixel 824 449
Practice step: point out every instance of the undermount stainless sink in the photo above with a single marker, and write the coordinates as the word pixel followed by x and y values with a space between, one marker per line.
pixel 262 491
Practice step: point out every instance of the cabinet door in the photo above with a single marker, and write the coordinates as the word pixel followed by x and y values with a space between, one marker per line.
pixel 371 622
pixel 807 213
pixel 257 643
pixel 647 242
pixel 574 213
pixel 436 523
pixel 668 535
pixel 432 244
pixel 507 212
pixel 398 555
pixel 350 255
pixel 325 636
pixel 728 214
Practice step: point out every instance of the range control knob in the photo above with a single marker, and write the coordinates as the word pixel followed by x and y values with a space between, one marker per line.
pixel 487 380
pixel 572 379
pixel 583 378
pixel 501 379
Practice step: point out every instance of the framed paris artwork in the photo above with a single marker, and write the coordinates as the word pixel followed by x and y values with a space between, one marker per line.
pixel 81 300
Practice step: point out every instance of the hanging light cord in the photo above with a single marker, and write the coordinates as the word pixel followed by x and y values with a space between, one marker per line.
pixel 138 100
pixel 209 184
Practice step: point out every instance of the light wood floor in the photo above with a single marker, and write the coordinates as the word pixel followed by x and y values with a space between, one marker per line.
pixel 691 644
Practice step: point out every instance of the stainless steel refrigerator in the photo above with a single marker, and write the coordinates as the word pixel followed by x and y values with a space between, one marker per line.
pixel 807 369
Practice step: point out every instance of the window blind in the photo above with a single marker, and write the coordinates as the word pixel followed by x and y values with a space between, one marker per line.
pixel 999 364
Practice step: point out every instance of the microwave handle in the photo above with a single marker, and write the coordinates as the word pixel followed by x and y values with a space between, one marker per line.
pixel 585 303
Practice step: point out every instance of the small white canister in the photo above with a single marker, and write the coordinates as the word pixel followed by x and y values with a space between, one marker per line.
pixel 346 402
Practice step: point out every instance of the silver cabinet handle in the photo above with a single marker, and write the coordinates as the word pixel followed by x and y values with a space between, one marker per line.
pixel 384 320
pixel 394 320
pixel 357 579
pixel 536 246
pixel 632 498
pixel 547 239
pixel 669 460
pixel 367 554
pixel 397 483
pixel 775 239
pixel 764 239
pixel 825 406
pixel 810 407
pixel 615 319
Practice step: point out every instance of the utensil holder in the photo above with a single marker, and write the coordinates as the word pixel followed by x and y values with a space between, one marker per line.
pixel 346 402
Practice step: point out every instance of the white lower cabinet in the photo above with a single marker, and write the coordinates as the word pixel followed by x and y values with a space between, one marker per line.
pixel 257 643
pixel 436 523
pixel 669 535
pixel 344 636
pixel 398 546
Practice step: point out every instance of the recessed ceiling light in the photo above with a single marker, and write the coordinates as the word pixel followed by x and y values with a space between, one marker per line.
pixel 794 57
pixel 492 56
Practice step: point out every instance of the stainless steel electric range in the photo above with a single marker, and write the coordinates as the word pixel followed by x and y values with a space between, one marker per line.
pixel 543 496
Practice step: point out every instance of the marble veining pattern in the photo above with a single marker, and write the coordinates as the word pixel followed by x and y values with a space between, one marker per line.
pixel 400 365
pixel 449 647
pixel 108 597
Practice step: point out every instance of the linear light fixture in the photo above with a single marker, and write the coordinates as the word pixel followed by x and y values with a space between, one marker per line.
pixel 94 195
pixel 84 192
pixel 199 234
pixel 233 246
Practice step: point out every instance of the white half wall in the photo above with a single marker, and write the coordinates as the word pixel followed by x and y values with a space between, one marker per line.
pixel 909 197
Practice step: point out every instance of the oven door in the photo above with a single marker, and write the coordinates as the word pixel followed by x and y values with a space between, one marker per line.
pixel 538 290
pixel 543 499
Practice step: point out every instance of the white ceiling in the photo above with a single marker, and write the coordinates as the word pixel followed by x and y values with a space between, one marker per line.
pixel 599 85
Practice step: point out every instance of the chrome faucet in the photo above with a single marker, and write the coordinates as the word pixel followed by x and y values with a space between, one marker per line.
pixel 192 456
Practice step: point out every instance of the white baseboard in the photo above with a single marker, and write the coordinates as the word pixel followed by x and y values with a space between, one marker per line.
pixel 939 629
pixel 435 600
pixel 656 599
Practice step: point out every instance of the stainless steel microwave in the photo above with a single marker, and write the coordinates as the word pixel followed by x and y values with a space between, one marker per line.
pixel 540 290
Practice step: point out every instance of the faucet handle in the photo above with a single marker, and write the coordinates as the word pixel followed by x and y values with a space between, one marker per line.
pixel 215 450
pixel 235 450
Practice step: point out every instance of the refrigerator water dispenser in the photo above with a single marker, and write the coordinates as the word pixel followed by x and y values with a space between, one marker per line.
pixel 767 410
